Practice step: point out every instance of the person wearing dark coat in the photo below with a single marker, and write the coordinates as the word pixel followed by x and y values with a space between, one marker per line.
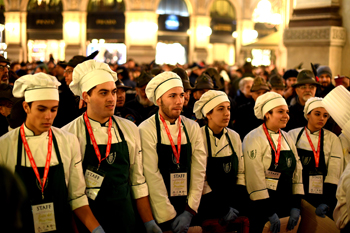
pixel 246 120
pixel 243 94
pixel 324 73
pixel 290 77
pixel 7 101
pixel 123 74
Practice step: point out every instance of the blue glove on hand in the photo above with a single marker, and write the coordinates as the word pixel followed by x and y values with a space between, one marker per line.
pixel 98 229
pixel 321 210
pixel 275 223
pixel 293 219
pixel 152 227
pixel 182 222
pixel 231 215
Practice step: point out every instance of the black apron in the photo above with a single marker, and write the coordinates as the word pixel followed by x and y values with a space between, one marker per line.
pixel 55 190
pixel 222 177
pixel 167 165
pixel 282 196
pixel 113 205
pixel 307 159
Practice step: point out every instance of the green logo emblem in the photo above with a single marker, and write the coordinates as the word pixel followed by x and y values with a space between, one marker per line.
pixel 252 154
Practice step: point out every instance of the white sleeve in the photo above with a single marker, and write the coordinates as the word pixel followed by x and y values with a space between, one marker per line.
pixel 239 152
pixel 335 161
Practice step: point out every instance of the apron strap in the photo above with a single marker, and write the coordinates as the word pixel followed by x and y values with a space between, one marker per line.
pixel 290 148
pixel 229 142
pixel 159 137
pixel 208 141
pixel 121 135
pixel 299 135
pixel 58 154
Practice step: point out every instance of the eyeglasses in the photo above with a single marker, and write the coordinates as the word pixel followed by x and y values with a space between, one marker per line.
pixel 3 67
pixel 311 87
pixel 68 71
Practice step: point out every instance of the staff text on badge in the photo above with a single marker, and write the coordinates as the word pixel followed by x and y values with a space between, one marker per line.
pixel 178 184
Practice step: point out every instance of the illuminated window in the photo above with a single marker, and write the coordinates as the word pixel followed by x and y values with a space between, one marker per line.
pixel 177 51
pixel 222 8
pixel 44 5
pixel 261 57
pixel 172 7
pixel 106 5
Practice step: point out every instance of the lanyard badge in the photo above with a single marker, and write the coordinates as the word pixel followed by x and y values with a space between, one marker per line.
pixel 278 152
pixel 93 140
pixel 316 153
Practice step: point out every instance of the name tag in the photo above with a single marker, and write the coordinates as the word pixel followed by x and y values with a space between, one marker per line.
pixel 93 183
pixel 272 179
pixel 44 217
pixel 316 184
pixel 178 184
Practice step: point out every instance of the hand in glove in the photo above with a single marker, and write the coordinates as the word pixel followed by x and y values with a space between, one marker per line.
pixel 275 223
pixel 231 215
pixel 321 210
pixel 152 227
pixel 293 219
pixel 182 222
pixel 98 229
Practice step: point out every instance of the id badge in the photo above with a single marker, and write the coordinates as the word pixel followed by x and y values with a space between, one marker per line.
pixel 178 184
pixel 44 217
pixel 93 180
pixel 272 179
pixel 316 184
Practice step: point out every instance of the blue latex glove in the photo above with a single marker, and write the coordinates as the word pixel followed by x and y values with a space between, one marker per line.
pixel 275 223
pixel 152 227
pixel 321 210
pixel 98 229
pixel 182 222
pixel 293 219
pixel 231 215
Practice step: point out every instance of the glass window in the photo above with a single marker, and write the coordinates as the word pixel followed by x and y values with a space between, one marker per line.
pixel 44 5
pixel 172 7
pixel 222 8
pixel 106 5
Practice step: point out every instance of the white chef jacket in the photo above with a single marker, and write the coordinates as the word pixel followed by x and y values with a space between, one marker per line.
pixel 221 148
pixel 342 209
pixel 161 207
pixel 70 154
pixel 345 143
pixel 132 137
pixel 331 148
pixel 257 160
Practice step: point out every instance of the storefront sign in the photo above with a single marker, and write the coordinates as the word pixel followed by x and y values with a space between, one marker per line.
pixel 222 26
pixel 174 23
pixel 105 20
pixel 46 20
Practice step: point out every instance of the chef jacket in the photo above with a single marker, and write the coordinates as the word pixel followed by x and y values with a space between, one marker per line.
pixel 257 160
pixel 132 137
pixel 162 209
pixel 70 154
pixel 221 148
pixel 342 209
pixel 345 143
pixel 331 148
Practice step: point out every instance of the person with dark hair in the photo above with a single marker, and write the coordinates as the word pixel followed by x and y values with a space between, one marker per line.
pixel 7 100
pixel 273 170
pixel 225 182
pixel 324 74
pixel 4 70
pixel 123 74
pixel 321 155
pixel 290 77
pixel 111 151
pixel 47 160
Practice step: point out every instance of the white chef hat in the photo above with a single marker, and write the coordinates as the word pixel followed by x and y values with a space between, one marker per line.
pixel 266 102
pixel 311 104
pixel 89 74
pixel 208 101
pixel 162 83
pixel 336 103
pixel 36 87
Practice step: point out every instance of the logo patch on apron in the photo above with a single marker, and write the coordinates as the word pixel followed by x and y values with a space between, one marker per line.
pixel 111 157
pixel 252 154
pixel 306 160
pixel 289 162
pixel 39 185
pixel 227 167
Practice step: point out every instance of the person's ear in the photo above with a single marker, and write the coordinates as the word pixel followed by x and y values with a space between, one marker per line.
pixel 86 97
pixel 26 107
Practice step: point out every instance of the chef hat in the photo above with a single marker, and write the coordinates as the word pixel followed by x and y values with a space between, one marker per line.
pixel 266 102
pixel 311 104
pixel 36 87
pixel 208 101
pixel 89 74
pixel 162 83
pixel 336 103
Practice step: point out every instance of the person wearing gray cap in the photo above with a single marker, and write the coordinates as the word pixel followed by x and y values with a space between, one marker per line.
pixel 324 74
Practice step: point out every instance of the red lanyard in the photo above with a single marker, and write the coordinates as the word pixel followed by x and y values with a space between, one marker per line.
pixel 316 154
pixel 93 140
pixel 277 153
pixel 32 162
pixel 176 153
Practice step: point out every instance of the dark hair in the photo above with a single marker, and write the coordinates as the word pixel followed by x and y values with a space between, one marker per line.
pixel 89 92
pixel 270 112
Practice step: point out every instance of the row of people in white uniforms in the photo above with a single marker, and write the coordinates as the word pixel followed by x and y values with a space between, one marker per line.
pixel 175 175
